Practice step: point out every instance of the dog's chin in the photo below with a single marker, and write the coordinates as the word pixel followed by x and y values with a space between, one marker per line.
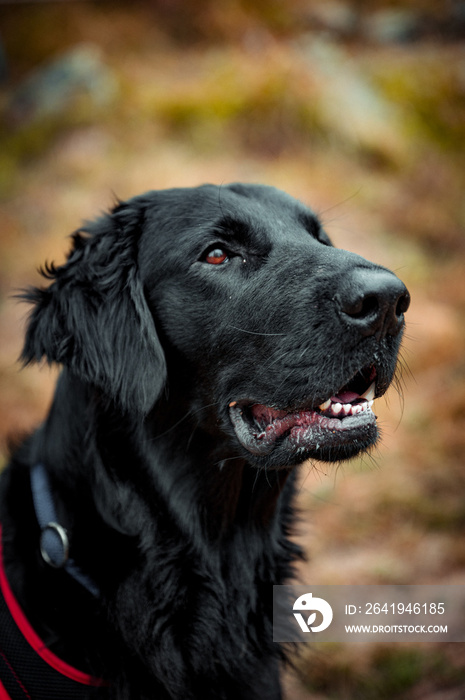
pixel 283 439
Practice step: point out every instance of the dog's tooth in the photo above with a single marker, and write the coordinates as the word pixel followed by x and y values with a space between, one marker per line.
pixel 370 404
pixel 347 407
pixel 336 408
pixel 369 394
pixel 325 405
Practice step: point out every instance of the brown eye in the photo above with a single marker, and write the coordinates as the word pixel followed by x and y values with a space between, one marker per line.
pixel 216 256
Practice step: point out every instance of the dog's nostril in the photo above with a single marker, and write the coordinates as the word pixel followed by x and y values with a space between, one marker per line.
pixel 402 304
pixel 362 308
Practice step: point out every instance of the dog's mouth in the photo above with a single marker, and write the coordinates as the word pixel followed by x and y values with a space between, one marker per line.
pixel 338 428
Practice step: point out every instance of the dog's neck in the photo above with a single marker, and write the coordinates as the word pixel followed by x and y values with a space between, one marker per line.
pixel 215 491
pixel 116 507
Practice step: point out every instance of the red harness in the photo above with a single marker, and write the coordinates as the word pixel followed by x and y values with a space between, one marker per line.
pixel 28 669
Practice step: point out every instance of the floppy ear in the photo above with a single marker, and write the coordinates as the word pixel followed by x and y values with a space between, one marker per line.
pixel 94 318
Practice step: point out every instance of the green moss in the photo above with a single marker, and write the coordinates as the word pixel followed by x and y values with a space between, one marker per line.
pixel 226 99
pixel 390 672
pixel 21 144
pixel 393 671
pixel 431 90
pixel 384 673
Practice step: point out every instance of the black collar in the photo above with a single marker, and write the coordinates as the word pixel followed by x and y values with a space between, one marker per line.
pixel 54 541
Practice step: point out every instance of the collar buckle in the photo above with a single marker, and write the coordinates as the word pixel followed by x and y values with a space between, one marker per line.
pixel 54 541
pixel 54 545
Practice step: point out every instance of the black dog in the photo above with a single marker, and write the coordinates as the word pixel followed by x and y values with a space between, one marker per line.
pixel 211 340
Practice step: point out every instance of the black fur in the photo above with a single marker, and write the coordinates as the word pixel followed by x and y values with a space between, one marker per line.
pixel 182 527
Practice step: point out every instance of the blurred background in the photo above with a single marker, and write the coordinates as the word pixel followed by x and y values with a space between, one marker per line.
pixel 358 109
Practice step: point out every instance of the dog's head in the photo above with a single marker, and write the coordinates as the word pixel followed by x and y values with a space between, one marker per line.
pixel 233 299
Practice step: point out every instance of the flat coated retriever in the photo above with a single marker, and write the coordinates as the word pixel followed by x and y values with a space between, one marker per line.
pixel 212 339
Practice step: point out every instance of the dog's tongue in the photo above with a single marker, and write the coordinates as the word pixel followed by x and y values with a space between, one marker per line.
pixel 265 414
pixel 345 397
pixel 272 423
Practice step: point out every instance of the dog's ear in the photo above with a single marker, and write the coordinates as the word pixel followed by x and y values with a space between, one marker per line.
pixel 94 317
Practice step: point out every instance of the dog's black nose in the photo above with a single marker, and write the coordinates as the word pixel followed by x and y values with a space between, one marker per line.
pixel 373 301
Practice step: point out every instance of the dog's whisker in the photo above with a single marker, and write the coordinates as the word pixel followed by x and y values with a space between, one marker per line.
pixel 267 477
pixel 276 360
pixel 243 330
pixel 255 480
pixel 228 459
pixel 220 206
pixel 191 436
pixel 322 212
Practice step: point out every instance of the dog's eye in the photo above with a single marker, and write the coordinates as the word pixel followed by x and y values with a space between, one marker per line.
pixel 216 256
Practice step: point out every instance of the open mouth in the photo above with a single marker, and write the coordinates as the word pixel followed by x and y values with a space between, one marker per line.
pixel 344 418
